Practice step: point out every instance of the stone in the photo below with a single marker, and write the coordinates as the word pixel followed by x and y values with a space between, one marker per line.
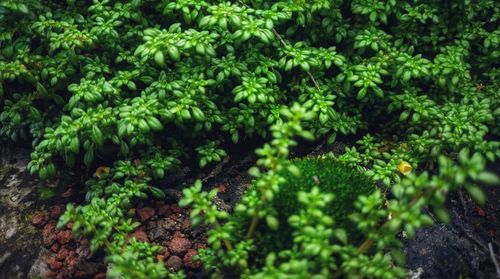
pixel 62 254
pixel 54 264
pixel 140 235
pixel 38 218
pixel 157 233
pixel 164 210
pixel 145 213
pixel 54 248
pixel 64 237
pixel 186 225
pixel 179 245
pixel 174 263
pixel 55 211
pixel 175 208
pixel 100 275
pixel 188 259
pixel 167 224
pixel 49 234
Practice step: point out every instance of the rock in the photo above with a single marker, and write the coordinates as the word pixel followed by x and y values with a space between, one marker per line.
pixel 145 213
pixel 88 267
pixel 72 259
pixel 54 248
pixel 174 263
pixel 140 235
pixel 55 211
pixel 100 275
pixel 167 224
pixel 166 253
pixel 175 208
pixel 179 245
pixel 186 225
pixel 38 219
pixel 54 264
pixel 64 237
pixel 49 234
pixel 188 260
pixel 164 210
pixel 157 233
pixel 62 254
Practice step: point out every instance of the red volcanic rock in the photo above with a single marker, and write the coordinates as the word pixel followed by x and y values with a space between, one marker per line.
pixel 200 246
pixel 62 254
pixel 54 248
pixel 100 275
pixel 140 235
pixel 55 211
pixel 174 263
pixel 38 218
pixel 64 237
pixel 72 259
pixel 188 259
pixel 54 264
pixel 175 208
pixel 145 213
pixel 49 234
pixel 179 245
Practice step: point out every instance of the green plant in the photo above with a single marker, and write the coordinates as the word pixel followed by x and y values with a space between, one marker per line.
pixel 162 81
pixel 328 177
pixel 323 245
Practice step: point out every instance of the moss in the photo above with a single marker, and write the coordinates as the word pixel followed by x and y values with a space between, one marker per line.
pixel 46 193
pixel 331 177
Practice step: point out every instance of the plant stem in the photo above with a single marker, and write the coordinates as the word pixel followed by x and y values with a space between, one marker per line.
pixel 253 225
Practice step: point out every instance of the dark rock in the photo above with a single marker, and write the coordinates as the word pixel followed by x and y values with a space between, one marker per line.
pixel 179 245
pixel 157 233
pixel 164 210
pixel 88 267
pixel 174 263
pixel 100 275
pixel 167 224
pixel 145 213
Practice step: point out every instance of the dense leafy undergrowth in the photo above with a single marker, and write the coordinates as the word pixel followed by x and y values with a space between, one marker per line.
pixel 154 84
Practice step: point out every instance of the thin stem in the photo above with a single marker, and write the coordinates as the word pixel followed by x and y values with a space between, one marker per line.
pixel 253 225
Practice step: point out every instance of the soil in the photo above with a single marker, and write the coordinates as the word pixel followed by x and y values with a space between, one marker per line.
pixel 34 248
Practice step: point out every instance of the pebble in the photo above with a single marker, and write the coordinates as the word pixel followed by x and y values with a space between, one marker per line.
pixel 179 245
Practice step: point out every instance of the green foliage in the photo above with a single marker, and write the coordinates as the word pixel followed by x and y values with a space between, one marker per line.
pixel 329 177
pixel 161 81
pixel 321 246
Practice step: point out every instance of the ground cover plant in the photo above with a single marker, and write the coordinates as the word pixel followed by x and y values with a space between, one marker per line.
pixel 150 86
